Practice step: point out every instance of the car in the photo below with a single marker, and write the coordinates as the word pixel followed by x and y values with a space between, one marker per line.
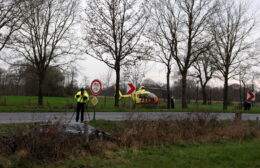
pixel 76 128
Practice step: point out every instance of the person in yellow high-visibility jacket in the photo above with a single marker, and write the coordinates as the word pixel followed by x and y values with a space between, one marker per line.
pixel 81 97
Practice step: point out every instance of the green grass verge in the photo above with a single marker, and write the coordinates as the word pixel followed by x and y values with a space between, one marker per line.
pixel 189 156
pixel 211 155
pixel 66 104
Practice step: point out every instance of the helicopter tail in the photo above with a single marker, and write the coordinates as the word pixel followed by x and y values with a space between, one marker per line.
pixel 121 95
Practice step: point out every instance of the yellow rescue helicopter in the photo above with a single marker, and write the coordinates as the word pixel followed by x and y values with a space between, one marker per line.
pixel 141 96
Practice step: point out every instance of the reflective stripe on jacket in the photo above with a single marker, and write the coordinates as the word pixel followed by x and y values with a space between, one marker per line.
pixel 81 98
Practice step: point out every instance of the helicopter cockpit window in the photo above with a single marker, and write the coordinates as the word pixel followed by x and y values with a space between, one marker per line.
pixel 142 96
pixel 151 95
pixel 147 95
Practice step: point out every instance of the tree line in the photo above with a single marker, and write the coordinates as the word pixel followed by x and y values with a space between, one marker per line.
pixel 203 39
pixel 17 80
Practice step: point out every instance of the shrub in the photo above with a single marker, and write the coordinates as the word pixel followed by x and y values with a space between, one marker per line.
pixel 54 144
pixel 48 145
pixel 195 128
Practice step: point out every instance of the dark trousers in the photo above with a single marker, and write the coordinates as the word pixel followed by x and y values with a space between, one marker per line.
pixel 247 106
pixel 80 109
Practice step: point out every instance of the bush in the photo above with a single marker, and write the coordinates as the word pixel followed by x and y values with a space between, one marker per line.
pixel 52 145
pixel 196 128
pixel 50 142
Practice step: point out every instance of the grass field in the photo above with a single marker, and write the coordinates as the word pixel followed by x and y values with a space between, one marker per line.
pixel 211 155
pixel 59 104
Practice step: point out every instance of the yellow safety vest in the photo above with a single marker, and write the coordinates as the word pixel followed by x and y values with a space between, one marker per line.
pixel 80 98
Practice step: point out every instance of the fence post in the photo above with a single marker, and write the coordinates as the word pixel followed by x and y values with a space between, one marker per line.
pixel 86 131
pixel 257 120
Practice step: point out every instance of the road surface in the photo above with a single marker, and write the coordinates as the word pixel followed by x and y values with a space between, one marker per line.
pixel 20 117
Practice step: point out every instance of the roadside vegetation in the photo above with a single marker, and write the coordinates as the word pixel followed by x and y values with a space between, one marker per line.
pixel 198 141
pixel 68 104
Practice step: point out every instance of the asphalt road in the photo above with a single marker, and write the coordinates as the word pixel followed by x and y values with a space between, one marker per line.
pixel 20 117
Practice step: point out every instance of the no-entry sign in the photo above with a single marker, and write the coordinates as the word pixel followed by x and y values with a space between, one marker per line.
pixel 96 87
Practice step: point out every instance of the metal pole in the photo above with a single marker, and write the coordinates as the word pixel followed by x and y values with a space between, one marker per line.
pixel 94 116
pixel 87 111
pixel 86 131
pixel 131 103
pixel 257 119
pixel 197 97
pixel 72 115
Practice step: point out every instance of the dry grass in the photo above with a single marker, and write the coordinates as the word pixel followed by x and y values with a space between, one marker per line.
pixel 193 129
pixel 134 133
pixel 52 145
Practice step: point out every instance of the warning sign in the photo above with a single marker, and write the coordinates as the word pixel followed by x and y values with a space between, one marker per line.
pixel 94 101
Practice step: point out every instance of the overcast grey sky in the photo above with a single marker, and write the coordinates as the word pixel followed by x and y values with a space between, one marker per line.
pixel 93 69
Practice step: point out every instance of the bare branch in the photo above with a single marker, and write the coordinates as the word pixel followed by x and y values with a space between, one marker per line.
pixel 231 27
pixel 114 33
pixel 44 39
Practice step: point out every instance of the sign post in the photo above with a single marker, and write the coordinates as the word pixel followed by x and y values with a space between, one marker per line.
pixel 250 98
pixel 130 90
pixel 95 88
pixel 94 101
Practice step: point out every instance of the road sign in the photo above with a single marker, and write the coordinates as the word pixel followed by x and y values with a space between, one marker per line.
pixel 250 96
pixel 96 87
pixel 130 88
pixel 94 101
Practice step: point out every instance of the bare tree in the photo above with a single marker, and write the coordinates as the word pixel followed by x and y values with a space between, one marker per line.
pixel 71 75
pixel 204 71
pixel 3 74
pixel 114 33
pixel 18 72
pixel 243 77
pixel 10 20
pixel 230 27
pixel 106 79
pixel 165 58
pixel 70 83
pixel 163 35
pixel 45 37
pixel 135 72
pixel 85 82
pixel 182 25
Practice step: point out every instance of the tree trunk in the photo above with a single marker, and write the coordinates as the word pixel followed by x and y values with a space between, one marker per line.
pixel 168 90
pixel 105 101
pixel 244 92
pixel 40 90
pixel 225 94
pixel 204 94
pixel 240 93
pixel 184 95
pixel 117 87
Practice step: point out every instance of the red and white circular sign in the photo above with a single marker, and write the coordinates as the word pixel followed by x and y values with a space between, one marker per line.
pixel 96 87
